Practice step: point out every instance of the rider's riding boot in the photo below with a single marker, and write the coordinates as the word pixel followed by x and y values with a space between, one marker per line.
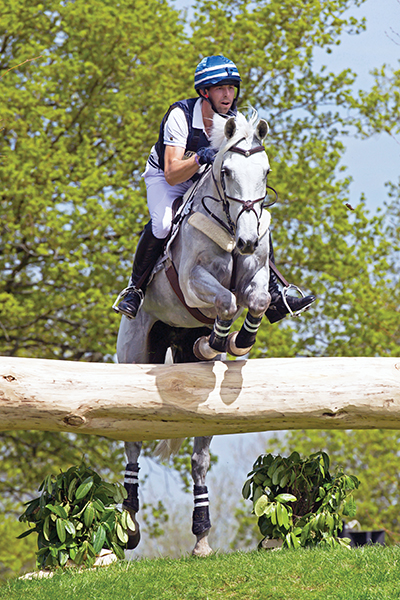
pixel 147 252
pixel 278 310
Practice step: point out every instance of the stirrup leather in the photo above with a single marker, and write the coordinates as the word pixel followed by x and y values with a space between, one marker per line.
pixel 284 292
pixel 124 292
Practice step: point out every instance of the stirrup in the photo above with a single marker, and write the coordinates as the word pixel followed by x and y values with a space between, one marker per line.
pixel 122 295
pixel 284 292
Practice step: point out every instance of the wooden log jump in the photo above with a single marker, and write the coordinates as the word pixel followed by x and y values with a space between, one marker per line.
pixel 146 402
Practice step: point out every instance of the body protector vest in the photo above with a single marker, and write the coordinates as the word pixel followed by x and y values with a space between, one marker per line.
pixel 196 139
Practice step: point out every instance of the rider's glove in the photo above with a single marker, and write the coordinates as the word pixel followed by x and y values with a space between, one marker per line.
pixel 205 156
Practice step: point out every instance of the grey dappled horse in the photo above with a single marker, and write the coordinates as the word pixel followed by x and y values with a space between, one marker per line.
pixel 220 258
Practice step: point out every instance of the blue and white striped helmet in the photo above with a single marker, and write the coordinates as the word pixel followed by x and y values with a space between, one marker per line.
pixel 216 70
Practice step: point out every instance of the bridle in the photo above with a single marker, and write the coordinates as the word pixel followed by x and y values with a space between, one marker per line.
pixel 224 198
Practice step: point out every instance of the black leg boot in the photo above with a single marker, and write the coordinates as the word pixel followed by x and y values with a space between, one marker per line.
pixel 147 252
pixel 281 305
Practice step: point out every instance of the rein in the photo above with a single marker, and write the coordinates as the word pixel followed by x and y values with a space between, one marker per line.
pixel 248 205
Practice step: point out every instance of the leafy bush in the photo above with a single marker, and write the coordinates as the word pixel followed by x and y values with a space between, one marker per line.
pixel 75 517
pixel 299 501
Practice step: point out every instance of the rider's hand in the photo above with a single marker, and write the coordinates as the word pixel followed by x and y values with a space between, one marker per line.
pixel 205 156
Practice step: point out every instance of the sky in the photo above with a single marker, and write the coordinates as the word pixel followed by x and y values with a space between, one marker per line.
pixel 374 161
pixel 370 163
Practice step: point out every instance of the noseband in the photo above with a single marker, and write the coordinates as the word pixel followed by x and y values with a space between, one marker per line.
pixel 247 205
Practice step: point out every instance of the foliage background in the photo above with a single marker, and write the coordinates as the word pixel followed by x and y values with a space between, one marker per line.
pixel 77 124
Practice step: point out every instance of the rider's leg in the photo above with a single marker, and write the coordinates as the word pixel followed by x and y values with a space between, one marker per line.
pixel 160 198
pixel 277 310
pixel 147 252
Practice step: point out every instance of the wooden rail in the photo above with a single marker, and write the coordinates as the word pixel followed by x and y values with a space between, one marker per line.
pixel 145 402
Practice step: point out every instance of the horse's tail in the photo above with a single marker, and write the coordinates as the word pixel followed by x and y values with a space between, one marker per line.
pixel 167 448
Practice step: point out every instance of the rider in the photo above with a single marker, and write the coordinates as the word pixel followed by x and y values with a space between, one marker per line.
pixel 183 146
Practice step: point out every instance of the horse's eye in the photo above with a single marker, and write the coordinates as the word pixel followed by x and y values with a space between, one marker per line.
pixel 227 172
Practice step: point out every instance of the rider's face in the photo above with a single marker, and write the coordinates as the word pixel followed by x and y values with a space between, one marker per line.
pixel 222 97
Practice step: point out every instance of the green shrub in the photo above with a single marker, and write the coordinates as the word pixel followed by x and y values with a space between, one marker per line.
pixel 299 501
pixel 76 516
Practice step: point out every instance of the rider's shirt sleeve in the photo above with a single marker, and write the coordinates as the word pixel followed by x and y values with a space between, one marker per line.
pixel 176 129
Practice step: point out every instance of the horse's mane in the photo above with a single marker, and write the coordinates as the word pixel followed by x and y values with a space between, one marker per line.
pixel 245 129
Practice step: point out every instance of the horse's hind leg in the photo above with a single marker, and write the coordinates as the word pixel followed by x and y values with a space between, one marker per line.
pixel 183 352
pixel 138 341
pixel 131 483
pixel 201 524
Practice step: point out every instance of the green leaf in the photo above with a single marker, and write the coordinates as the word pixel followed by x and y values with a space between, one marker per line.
pixel 276 475
pixel 129 522
pixel 295 457
pixel 46 528
pixel 330 522
pixel 285 498
pixel 258 492
pixel 26 533
pixel 63 556
pixel 273 515
pixel 58 510
pixel 350 507
pixel 89 514
pixel 285 480
pixel 246 489
pixel 79 556
pixel 282 516
pixel 122 518
pixel 120 493
pixel 118 551
pixel 73 552
pixel 273 466
pixel 60 527
pixel 122 535
pixel 84 488
pixel 295 540
pixel 261 505
pixel 70 527
pixel 71 489
pixel 99 539
pixel 320 521
pixel 98 504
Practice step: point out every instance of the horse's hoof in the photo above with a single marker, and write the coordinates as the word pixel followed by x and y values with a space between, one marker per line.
pixel 202 547
pixel 233 349
pixel 202 349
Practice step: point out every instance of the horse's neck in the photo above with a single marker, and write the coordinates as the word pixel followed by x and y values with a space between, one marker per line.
pixel 208 194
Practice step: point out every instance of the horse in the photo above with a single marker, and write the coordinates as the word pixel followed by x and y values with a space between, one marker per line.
pixel 214 267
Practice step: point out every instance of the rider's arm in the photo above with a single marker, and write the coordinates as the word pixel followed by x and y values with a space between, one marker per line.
pixel 176 168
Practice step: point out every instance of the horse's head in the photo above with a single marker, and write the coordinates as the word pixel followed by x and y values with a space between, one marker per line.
pixel 240 173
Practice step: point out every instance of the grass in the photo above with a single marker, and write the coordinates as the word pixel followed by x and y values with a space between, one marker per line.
pixel 368 573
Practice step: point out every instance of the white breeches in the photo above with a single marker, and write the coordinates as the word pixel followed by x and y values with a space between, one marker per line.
pixel 160 197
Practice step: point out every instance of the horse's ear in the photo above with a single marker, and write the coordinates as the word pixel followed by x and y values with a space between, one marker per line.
pixel 230 128
pixel 262 129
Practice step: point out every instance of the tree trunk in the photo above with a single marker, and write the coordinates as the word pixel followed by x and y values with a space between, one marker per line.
pixel 146 402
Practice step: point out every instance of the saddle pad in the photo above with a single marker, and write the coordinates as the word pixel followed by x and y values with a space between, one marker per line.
pixel 212 230
pixel 218 234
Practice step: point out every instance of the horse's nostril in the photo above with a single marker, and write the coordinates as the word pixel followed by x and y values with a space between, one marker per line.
pixel 246 247
pixel 240 244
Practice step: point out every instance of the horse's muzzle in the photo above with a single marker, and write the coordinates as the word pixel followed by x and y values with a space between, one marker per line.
pixel 246 246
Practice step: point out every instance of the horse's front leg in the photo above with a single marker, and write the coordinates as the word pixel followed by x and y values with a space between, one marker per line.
pixel 201 523
pixel 209 290
pixel 131 484
pixel 257 298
